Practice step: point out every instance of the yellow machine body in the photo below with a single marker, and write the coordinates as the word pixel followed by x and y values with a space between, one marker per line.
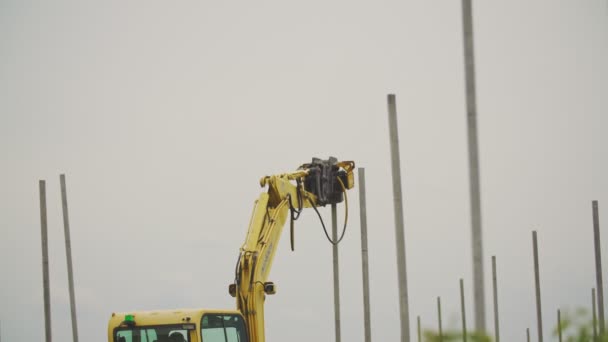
pixel 316 184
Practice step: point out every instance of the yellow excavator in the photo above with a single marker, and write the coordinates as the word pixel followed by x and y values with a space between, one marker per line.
pixel 312 185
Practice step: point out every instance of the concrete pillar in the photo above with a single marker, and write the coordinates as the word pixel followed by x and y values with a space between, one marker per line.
pixel 399 224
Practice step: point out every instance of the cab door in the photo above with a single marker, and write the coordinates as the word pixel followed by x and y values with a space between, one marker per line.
pixel 220 327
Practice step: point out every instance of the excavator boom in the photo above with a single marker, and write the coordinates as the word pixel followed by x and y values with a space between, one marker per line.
pixel 318 183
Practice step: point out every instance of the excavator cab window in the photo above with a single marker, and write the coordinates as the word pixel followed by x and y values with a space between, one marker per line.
pixel 163 333
pixel 223 328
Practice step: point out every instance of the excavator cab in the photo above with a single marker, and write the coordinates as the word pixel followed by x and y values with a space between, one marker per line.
pixel 178 326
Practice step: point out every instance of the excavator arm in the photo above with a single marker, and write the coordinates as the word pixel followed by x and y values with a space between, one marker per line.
pixel 316 184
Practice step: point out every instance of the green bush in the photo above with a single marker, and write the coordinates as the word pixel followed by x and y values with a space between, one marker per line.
pixel 450 336
pixel 577 326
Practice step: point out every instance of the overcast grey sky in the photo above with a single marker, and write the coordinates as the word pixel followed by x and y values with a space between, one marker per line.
pixel 164 115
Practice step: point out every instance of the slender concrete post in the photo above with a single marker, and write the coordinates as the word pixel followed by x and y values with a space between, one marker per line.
pixel 598 268
pixel 439 319
pixel 594 315
pixel 45 263
pixel 462 308
pixel 539 318
pixel 495 291
pixel 399 230
pixel 364 261
pixel 334 232
pixel 419 330
pixel 474 183
pixel 559 325
pixel 528 334
pixel 68 253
